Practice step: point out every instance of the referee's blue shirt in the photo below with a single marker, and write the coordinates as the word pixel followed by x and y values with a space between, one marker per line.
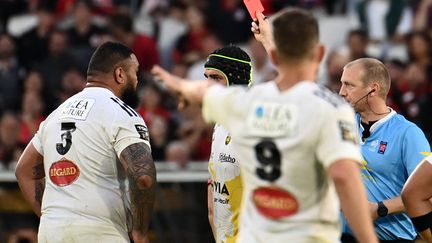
pixel 390 154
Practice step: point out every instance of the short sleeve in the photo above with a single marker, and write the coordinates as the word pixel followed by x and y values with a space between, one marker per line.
pixel 219 104
pixel 127 130
pixel 37 139
pixel 338 136
pixel 415 148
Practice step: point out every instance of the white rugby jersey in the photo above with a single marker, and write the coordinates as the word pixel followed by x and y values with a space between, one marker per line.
pixel 285 141
pixel 227 188
pixel 85 183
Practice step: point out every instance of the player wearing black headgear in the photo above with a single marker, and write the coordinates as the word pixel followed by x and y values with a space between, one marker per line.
pixel 228 65
pixel 233 63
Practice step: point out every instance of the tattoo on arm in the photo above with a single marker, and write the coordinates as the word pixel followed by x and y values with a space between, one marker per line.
pixel 39 190
pixel 38 171
pixel 39 176
pixel 141 173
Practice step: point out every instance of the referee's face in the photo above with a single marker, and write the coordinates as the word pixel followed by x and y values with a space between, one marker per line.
pixel 353 88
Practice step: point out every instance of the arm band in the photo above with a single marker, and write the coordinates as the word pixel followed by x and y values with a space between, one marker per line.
pixel 209 182
pixel 422 223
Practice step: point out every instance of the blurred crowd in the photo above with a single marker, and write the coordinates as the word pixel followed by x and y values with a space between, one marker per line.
pixel 45 46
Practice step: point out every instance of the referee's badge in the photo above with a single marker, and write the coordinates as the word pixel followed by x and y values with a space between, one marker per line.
pixel 227 139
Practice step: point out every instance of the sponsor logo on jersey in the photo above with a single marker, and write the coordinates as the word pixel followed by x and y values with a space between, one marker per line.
pixel 347 131
pixel 226 158
pixel 382 147
pixel 373 145
pixel 272 119
pixel 227 139
pixel 142 131
pixel 220 188
pixel 63 172
pixel 76 109
pixel 274 203
pixel 221 201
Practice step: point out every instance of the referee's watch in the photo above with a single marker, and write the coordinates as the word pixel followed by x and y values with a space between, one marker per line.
pixel 382 209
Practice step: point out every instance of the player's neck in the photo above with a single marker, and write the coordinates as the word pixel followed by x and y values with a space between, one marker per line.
pixel 290 75
pixel 100 84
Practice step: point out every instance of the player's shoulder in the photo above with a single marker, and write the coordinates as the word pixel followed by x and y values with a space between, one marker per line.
pixel 327 97
pixel 111 105
pixel 262 90
pixel 122 109
pixel 266 86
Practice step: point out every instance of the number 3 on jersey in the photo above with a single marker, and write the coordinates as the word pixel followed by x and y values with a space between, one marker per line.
pixel 269 158
pixel 66 137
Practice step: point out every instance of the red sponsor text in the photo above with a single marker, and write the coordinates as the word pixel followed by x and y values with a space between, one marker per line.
pixel 63 172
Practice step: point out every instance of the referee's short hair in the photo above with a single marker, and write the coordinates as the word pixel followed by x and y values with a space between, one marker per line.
pixel 107 57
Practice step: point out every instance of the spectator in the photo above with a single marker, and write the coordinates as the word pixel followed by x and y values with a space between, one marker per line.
pixel 73 82
pixel 159 137
pixel 144 47
pixel 414 86
pixel 33 44
pixel 54 67
pixel 229 20
pixel 193 131
pixel 189 46
pixel 396 70
pixel 179 153
pixel 150 104
pixel 357 43
pixel 32 114
pixel 385 20
pixel 211 43
pixel 262 68
pixel 422 15
pixel 83 33
pixel 9 140
pixel 11 74
pixel 335 63
pixel 33 82
pixel 83 36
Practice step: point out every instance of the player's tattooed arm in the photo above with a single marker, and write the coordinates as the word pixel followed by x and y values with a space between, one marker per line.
pixel 39 176
pixel 30 175
pixel 138 163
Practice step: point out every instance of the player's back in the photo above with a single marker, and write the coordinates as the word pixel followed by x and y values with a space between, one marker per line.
pixel 85 183
pixel 286 141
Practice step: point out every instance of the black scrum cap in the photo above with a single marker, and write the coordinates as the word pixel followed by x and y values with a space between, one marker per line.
pixel 233 62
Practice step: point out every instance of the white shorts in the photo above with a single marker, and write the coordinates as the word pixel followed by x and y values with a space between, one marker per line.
pixel 77 233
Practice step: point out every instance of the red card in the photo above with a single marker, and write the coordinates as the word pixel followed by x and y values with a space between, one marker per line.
pixel 253 6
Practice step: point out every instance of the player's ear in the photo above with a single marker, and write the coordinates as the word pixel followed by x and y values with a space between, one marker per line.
pixel 274 57
pixel 119 75
pixel 320 52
